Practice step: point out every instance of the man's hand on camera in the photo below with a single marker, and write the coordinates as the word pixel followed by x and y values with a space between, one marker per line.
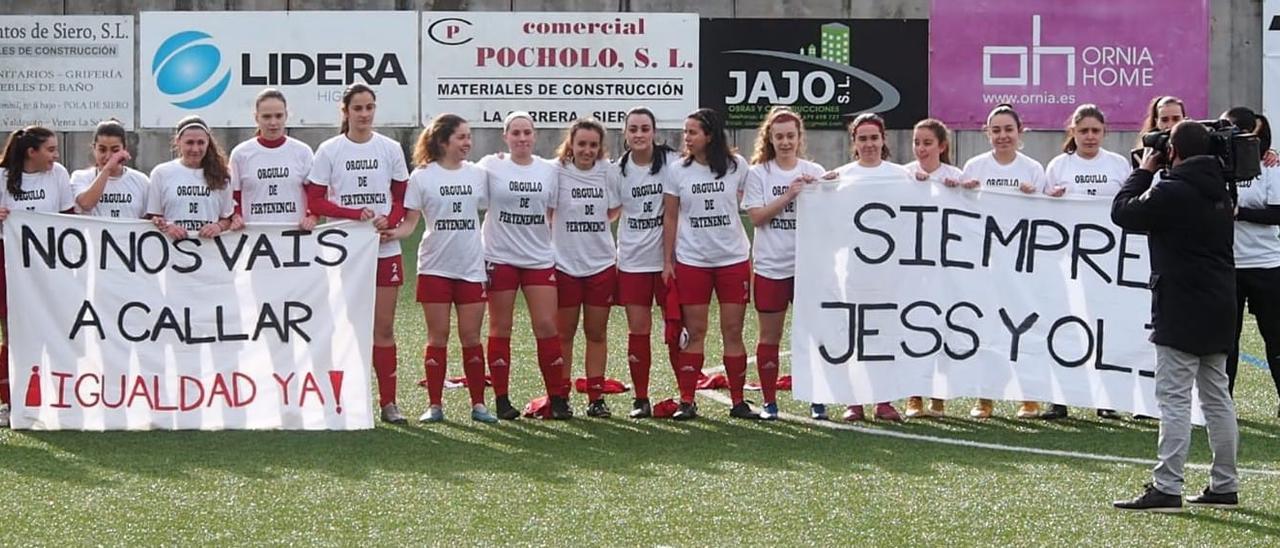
pixel 1150 160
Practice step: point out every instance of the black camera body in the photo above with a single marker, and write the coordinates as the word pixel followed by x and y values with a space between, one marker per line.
pixel 1239 152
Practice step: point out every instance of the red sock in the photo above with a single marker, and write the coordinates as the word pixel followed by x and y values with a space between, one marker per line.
pixel 595 388
pixel 767 364
pixel 436 364
pixel 687 375
pixel 551 364
pixel 735 368
pixel 639 359
pixel 673 359
pixel 4 372
pixel 473 368
pixel 384 367
pixel 500 364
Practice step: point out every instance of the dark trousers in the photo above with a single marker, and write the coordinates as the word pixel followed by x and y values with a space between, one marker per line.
pixel 1259 289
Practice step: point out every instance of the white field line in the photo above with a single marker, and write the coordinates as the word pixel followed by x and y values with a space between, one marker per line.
pixel 714 395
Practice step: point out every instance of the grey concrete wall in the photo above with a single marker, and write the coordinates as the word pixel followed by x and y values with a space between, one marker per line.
pixel 1235 63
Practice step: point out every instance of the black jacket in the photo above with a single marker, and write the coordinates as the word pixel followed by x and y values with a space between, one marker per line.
pixel 1188 218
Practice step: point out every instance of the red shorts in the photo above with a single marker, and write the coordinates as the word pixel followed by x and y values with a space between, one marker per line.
pixel 390 271
pixel 4 291
pixel 504 277
pixel 594 290
pixel 439 289
pixel 773 295
pixel 731 283
pixel 641 288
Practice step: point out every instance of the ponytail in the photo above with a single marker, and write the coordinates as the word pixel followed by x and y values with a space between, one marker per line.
pixel 15 153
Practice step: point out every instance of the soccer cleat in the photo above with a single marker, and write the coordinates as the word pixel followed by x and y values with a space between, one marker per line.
pixel 981 409
pixel 818 412
pixel 769 412
pixel 4 415
pixel 686 411
pixel 937 407
pixel 886 412
pixel 915 407
pixel 640 409
pixel 1028 410
pixel 1151 500
pixel 391 414
pixel 598 409
pixel 480 413
pixel 435 414
pixel 1054 413
pixel 1108 414
pixel 741 410
pixel 560 409
pixel 1209 499
pixel 853 413
pixel 505 411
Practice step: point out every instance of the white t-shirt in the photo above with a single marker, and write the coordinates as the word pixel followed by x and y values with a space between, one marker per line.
pixel 270 180
pixel 1257 245
pixel 359 175
pixel 944 172
pixel 515 230
pixel 640 224
pixel 450 202
pixel 997 177
pixel 181 195
pixel 709 233
pixel 1102 175
pixel 124 197
pixel 774 247
pixel 44 192
pixel 584 244
pixel 885 169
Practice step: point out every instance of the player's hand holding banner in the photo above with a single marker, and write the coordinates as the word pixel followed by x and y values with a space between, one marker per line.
pixel 116 326
pixel 906 289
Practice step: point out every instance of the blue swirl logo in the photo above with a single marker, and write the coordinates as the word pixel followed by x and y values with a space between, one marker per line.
pixel 185 68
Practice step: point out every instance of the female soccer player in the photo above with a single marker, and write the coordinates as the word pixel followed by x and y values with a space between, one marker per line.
pixel 1004 169
pixel 871 155
pixel 33 181
pixel 269 171
pixel 361 175
pixel 705 249
pixel 586 272
pixel 449 193
pixel 778 173
pixel 110 188
pixel 642 169
pixel 189 195
pixel 1257 251
pixel 519 255
pixel 1164 112
pixel 931 143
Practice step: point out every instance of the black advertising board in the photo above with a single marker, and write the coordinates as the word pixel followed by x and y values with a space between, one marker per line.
pixel 822 68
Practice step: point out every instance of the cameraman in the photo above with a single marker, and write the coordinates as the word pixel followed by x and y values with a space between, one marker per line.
pixel 1189 219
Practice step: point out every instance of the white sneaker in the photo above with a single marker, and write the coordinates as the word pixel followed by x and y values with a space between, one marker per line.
pixel 391 414
pixel 433 414
pixel 4 416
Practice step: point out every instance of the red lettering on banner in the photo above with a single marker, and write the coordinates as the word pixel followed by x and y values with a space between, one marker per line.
pixel 184 403
pixel 241 383
pixel 61 401
pixel 155 390
pixel 309 384
pixel 284 386
pixel 139 389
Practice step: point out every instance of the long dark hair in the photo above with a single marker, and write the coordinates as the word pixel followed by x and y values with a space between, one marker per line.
pixel 660 150
pixel 15 153
pixel 941 133
pixel 347 95
pixel 1251 122
pixel 1087 110
pixel 431 142
pixel 214 163
pixel 719 155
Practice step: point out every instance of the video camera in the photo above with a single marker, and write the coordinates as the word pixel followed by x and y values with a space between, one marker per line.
pixel 1237 151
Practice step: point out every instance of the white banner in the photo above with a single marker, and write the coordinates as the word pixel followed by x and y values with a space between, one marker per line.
pixel 559 66
pixel 66 72
pixel 215 63
pixel 913 289
pixel 1271 58
pixel 115 326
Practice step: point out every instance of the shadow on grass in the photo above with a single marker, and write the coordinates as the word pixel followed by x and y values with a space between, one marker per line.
pixel 1230 519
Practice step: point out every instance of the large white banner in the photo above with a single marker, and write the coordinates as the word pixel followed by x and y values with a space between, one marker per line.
pixel 115 326
pixel 215 63
pixel 66 72
pixel 559 66
pixel 914 289
pixel 1271 58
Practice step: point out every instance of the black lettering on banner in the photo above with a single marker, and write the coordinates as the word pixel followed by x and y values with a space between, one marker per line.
pixel 1053 350
pixel 87 317
pixel 889 245
pixel 1036 227
pixel 295 236
pixel 30 241
pixel 230 259
pixel 1097 361
pixel 906 322
pixel 162 244
pixel 323 240
pixel 222 334
pixel 973 335
pixel 262 248
pixel 1081 253
pixel 82 246
pixel 949 236
pixel 293 322
pixel 993 229
pixel 919 259
pixel 822 347
pixel 128 258
pixel 124 310
pixel 196 261
pixel 864 332
pixel 1123 256
pixel 1015 332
